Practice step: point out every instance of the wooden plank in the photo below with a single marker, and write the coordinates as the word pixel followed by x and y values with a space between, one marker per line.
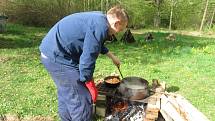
pixel 192 113
pixel 151 110
pixel 153 107
pixel 166 116
pixel 148 119
pixel 151 116
pixel 158 101
pixel 178 108
pixel 169 110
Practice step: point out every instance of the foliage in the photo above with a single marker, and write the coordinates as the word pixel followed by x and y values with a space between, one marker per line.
pixel 39 12
pixel 137 14
pixel 143 13
pixel 188 18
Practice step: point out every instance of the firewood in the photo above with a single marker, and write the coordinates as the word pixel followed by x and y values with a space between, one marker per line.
pixel 155 83
pixel 157 86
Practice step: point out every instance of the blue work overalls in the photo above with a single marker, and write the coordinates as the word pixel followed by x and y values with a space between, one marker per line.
pixel 69 52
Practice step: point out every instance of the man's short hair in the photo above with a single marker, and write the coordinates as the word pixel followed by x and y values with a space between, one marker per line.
pixel 119 12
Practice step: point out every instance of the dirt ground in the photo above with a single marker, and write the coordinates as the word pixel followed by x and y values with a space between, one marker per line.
pixel 209 34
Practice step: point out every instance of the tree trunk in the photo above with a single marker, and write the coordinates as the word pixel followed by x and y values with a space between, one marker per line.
pixel 88 5
pixel 204 15
pixel 157 17
pixel 69 6
pixel 171 12
pixel 118 2
pixel 92 5
pixel 212 18
pixel 84 5
pixel 107 5
pixel 101 5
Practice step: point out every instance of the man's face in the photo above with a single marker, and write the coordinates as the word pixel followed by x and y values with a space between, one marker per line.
pixel 119 26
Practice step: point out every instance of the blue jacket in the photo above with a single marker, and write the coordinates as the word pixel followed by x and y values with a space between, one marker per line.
pixel 76 41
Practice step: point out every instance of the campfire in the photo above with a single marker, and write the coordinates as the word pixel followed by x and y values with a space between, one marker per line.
pixel 125 110
pixel 122 104
pixel 125 103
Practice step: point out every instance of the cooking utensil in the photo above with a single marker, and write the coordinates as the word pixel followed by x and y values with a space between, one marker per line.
pixel 112 81
pixel 134 88
pixel 120 71
pixel 94 108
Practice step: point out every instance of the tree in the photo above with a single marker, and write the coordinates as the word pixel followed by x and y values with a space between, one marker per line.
pixel 212 18
pixel 173 3
pixel 157 18
pixel 204 15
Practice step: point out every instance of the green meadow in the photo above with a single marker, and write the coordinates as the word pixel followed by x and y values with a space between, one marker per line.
pixel 186 65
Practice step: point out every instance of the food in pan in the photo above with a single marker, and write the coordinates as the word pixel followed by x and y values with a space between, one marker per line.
pixel 112 80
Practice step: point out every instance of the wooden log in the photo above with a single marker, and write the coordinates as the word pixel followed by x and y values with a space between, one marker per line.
pixel 157 86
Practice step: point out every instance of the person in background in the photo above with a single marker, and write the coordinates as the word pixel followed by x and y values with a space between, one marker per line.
pixel 69 52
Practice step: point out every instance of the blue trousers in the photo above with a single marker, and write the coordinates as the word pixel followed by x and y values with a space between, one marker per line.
pixel 74 99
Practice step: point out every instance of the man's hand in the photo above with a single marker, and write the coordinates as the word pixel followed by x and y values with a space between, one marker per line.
pixel 92 89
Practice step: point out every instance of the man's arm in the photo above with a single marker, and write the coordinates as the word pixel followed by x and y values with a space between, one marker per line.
pixel 115 60
pixel 91 49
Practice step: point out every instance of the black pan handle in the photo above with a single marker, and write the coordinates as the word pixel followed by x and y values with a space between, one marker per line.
pixel 120 71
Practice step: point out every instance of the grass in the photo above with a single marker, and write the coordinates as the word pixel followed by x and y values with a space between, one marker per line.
pixel 186 65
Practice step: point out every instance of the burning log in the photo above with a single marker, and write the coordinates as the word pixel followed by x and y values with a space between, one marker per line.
pixel 120 107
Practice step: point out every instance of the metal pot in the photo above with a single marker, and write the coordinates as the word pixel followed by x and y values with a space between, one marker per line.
pixel 134 88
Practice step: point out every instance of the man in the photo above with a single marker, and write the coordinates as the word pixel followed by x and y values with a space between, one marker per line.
pixel 69 52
